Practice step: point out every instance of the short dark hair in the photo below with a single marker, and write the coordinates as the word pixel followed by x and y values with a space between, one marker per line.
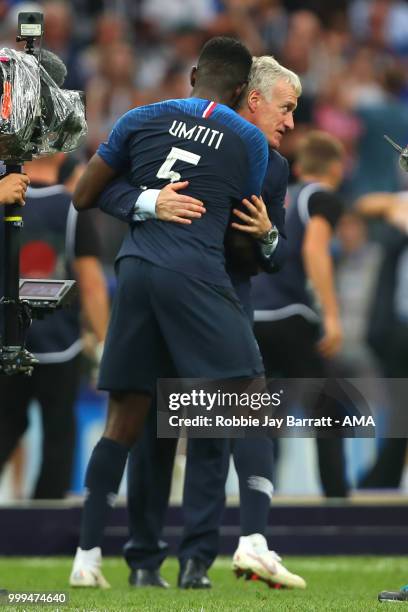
pixel 316 151
pixel 224 64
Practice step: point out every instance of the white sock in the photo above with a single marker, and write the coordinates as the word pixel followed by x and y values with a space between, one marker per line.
pixel 89 558
pixel 255 542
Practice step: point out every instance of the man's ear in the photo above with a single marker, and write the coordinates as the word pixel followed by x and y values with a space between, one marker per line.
pixel 253 99
pixel 193 76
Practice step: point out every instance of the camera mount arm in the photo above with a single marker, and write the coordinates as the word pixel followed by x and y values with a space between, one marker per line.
pixel 13 355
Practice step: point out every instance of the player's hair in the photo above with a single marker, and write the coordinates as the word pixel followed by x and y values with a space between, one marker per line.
pixel 316 151
pixel 224 64
pixel 265 71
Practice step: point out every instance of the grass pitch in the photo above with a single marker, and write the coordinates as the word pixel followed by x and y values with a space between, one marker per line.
pixel 334 583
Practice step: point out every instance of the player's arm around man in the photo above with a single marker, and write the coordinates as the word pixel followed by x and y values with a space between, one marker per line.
pixel 167 204
pixel 269 105
pixel 254 222
pixel 130 399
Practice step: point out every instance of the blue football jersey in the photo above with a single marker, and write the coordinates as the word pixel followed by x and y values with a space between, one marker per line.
pixel 223 157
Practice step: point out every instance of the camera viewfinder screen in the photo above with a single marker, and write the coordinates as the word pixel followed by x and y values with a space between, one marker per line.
pixel 39 290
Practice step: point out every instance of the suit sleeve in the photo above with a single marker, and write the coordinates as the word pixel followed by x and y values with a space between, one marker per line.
pixel 274 193
pixel 118 199
pixel 257 148
pixel 87 241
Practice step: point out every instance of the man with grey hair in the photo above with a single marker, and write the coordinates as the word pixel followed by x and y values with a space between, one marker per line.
pixel 269 104
pixel 272 96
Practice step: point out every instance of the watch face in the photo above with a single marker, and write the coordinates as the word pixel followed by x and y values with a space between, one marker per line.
pixel 271 235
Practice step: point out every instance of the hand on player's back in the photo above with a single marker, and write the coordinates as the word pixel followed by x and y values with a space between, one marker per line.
pixel 13 188
pixel 256 222
pixel 176 207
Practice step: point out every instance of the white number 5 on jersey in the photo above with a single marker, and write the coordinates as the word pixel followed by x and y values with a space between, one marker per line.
pixel 165 170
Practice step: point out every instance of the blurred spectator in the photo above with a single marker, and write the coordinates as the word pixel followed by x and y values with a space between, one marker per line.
pixel 17 463
pixel 110 28
pixel 56 243
pixel 382 23
pixel 297 306
pixel 167 15
pixel 360 78
pixel 260 24
pixel 175 84
pixel 390 311
pixel 4 6
pixel 185 43
pixel 357 267
pixel 178 46
pixel 318 56
pixel 70 172
pixel 389 325
pixel 59 37
pixel 304 52
pixel 111 92
pixel 333 115
pixel 376 166
pixel 8 25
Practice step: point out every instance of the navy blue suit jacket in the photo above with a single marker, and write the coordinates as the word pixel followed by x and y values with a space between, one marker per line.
pixel 274 193
pixel 119 197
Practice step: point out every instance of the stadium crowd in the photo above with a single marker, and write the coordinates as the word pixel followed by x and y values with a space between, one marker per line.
pixel 351 58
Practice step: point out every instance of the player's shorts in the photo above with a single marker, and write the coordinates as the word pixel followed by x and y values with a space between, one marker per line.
pixel 167 324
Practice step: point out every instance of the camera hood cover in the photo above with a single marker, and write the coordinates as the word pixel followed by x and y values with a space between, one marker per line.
pixel 36 116
pixel 20 89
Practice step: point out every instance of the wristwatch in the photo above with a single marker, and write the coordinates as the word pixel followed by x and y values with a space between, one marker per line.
pixel 270 236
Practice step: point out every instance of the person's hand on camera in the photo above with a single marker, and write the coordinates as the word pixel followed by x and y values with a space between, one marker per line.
pixel 13 188
pixel 176 207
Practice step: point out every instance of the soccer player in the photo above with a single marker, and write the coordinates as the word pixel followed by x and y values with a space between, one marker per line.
pixel 286 311
pixel 13 188
pixel 173 294
pixel 270 102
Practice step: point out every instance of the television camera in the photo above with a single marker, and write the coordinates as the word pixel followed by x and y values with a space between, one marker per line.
pixel 37 118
